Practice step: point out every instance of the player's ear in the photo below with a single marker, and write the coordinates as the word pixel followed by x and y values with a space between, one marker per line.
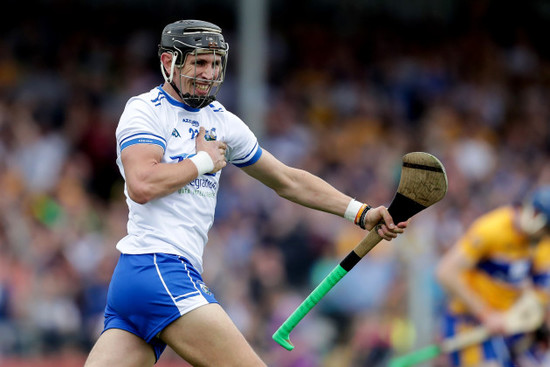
pixel 166 59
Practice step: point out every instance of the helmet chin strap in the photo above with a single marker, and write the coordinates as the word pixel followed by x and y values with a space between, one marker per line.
pixel 169 78
pixel 195 101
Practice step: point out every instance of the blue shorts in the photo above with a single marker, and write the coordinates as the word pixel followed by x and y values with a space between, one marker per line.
pixel 149 291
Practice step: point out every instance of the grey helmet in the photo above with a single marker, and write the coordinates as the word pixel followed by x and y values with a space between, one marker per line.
pixel 193 37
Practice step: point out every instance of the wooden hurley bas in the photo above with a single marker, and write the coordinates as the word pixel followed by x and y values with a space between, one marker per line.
pixel 423 183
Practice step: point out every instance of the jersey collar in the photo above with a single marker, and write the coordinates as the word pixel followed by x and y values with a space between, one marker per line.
pixel 175 102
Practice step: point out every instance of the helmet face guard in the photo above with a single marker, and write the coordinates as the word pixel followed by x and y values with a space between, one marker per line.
pixel 186 40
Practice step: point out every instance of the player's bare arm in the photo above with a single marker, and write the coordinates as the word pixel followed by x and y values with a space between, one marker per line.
pixel 450 273
pixel 147 178
pixel 306 189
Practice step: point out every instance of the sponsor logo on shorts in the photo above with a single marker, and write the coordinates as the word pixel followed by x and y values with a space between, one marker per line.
pixel 204 288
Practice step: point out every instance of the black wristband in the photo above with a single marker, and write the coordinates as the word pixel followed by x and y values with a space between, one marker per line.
pixel 361 221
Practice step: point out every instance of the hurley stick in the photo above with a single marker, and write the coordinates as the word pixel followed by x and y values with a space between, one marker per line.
pixel 423 183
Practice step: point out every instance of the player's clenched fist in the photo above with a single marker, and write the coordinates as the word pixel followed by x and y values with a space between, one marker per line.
pixel 380 217
pixel 215 149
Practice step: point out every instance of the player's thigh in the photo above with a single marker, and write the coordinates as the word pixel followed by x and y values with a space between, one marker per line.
pixel 116 347
pixel 206 336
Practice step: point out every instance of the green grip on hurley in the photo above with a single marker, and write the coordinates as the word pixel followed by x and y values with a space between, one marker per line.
pixel 282 335
pixel 423 182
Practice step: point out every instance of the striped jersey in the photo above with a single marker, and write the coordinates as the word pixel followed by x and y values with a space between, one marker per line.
pixel 179 222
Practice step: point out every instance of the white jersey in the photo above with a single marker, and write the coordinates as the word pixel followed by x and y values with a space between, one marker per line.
pixel 179 222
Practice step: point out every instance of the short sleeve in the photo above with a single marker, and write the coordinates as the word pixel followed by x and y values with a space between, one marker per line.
pixel 139 125
pixel 243 147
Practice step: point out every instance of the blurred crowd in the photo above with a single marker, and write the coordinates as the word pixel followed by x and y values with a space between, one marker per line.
pixel 346 111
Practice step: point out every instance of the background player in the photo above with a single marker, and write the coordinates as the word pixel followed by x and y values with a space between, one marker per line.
pixel 487 271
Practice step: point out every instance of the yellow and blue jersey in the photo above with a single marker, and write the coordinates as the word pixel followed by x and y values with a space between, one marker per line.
pixel 502 257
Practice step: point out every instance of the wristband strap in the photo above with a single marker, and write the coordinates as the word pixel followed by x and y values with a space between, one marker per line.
pixel 353 209
pixel 361 220
pixel 204 163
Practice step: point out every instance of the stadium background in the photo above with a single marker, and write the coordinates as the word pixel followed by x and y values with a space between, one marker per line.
pixel 341 88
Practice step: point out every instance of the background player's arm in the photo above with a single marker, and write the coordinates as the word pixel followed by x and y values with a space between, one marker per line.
pixel 451 275
pixel 147 178
pixel 306 189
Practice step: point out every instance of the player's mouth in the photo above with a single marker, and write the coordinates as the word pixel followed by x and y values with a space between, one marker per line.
pixel 202 89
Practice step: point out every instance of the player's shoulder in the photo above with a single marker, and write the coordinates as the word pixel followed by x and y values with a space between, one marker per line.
pixel 151 98
pixel 496 224
pixel 499 216
pixel 216 107
pixel 218 111
pixel 485 231
pixel 143 110
pixel 142 104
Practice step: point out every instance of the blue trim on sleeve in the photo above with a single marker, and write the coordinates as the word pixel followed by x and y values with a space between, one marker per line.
pixel 142 140
pixel 145 134
pixel 253 159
